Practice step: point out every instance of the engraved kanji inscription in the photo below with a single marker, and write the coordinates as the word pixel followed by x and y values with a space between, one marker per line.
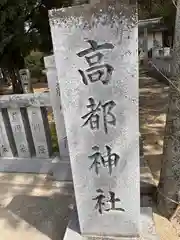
pixel 36 127
pixel 4 149
pixel 102 202
pixel 57 89
pixel 95 110
pixel 22 148
pixel 14 116
pixel 17 128
pixel 41 149
pixel 109 160
pixel 96 71
pixel 113 200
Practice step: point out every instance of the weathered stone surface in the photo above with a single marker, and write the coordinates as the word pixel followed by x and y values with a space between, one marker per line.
pixel 58 168
pixel 55 96
pixel 39 131
pixel 25 77
pixel 109 33
pixel 148 231
pixel 25 100
pixel 19 133
pixel 5 146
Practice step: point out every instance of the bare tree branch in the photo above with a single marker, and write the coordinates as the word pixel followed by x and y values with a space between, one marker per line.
pixel 175 3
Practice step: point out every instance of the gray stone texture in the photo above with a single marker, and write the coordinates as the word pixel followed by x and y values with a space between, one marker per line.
pixel 148 231
pixel 19 132
pixel 25 100
pixel 5 147
pixel 54 87
pixel 114 23
pixel 25 78
pixel 38 130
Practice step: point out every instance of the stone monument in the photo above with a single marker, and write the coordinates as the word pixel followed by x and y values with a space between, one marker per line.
pixel 96 54
pixel 25 78
pixel 55 96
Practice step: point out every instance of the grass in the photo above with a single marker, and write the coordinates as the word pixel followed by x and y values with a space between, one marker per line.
pixel 55 146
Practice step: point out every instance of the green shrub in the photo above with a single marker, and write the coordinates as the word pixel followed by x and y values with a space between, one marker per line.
pixel 34 62
pixel 54 138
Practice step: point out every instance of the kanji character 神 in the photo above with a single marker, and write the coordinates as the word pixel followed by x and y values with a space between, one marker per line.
pixel 109 161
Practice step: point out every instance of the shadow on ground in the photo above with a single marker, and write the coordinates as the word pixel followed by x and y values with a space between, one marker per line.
pixel 47 214
pixel 153 110
pixel 154 162
pixel 32 210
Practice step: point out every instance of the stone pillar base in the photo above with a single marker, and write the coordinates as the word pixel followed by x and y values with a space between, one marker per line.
pixel 147 228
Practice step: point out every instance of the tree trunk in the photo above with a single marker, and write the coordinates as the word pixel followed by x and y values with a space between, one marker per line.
pixel 16 83
pixel 4 76
pixel 169 184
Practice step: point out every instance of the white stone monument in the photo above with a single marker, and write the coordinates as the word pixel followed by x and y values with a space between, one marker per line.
pixel 54 87
pixel 25 80
pixel 96 54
